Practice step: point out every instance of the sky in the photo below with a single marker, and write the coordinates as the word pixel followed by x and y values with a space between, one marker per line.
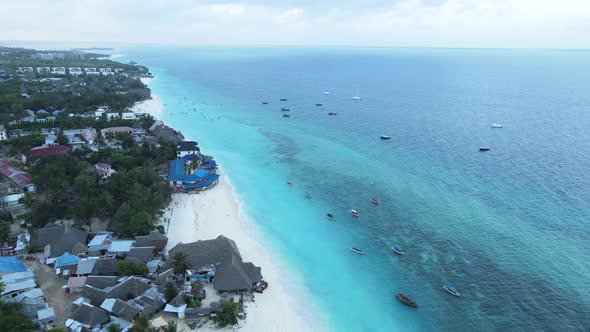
pixel 397 23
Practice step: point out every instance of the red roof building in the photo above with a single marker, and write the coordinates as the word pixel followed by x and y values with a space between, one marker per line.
pixel 20 178
pixel 43 151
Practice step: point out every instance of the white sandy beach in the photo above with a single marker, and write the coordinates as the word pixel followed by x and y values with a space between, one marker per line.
pixel 209 214
pixel 217 212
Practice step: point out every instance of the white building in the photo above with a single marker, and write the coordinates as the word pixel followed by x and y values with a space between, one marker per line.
pixel 58 70
pixel 186 148
pixel 106 71
pixel 75 71
pixel 43 70
pixel 50 140
pixel 113 115
pixel 128 116
pixel 3 135
pixel 24 69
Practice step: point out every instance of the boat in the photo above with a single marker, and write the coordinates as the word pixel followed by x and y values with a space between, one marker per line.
pixel 286 115
pixel 330 216
pixel 357 250
pixel 283 99
pixel 356 97
pixel 289 182
pixel 354 213
pixel 497 125
pixel 319 104
pixel 483 148
pixel 397 249
pixel 327 93
pixel 307 195
pixel 284 109
pixel 405 299
pixel 332 113
pixel 265 103
pixel 374 200
pixel 385 137
pixel 451 290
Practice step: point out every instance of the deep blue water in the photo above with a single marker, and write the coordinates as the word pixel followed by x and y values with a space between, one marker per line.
pixel 509 228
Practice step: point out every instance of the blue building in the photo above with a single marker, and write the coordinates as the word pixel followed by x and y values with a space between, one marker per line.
pixel 202 179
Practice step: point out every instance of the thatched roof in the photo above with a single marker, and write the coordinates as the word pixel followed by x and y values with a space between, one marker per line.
pixel 205 252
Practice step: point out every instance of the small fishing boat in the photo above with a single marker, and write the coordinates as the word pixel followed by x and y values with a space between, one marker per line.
pixel 374 200
pixel 283 99
pixel 357 250
pixel 497 125
pixel 285 109
pixel 451 290
pixel 332 113
pixel 384 137
pixel 319 104
pixel 289 182
pixel 307 195
pixel 397 249
pixel 265 103
pixel 330 216
pixel 356 98
pixel 327 93
pixel 354 213
pixel 405 299
pixel 483 148
pixel 286 115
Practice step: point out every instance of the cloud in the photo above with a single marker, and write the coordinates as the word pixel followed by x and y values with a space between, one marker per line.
pixel 445 23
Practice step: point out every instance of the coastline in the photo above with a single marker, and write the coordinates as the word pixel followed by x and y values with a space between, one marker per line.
pixel 219 211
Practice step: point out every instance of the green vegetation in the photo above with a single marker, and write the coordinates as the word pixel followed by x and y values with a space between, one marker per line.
pixel 125 268
pixel 228 314
pixel 114 328
pixel 142 324
pixel 13 319
pixel 170 292
pixel 4 231
pixel 179 263
pixel 171 327
pixel 194 303
pixel 139 224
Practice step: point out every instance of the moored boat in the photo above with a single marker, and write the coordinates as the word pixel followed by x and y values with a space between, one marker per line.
pixel 357 250
pixel 332 113
pixel 397 249
pixel 283 99
pixel 318 104
pixel 265 103
pixel 289 182
pixel 497 125
pixel 327 92
pixel 405 299
pixel 286 115
pixel 374 200
pixel 354 213
pixel 451 290
pixel 330 216
pixel 483 148
pixel 307 195
pixel 385 137
pixel 285 109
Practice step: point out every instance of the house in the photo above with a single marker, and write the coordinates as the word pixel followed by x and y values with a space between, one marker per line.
pixel 43 70
pixel 120 247
pixel 102 171
pixel 115 130
pixel 16 273
pixel 86 266
pixel 76 284
pixel 55 240
pixel 100 244
pixel 3 135
pixel 105 267
pixel 46 317
pixel 44 151
pixel 231 274
pixel 75 71
pixel 65 265
pixel 50 140
pixel 80 137
pixel 154 238
pixel 128 116
pixel 127 288
pixel 120 308
pixel 20 133
pixel 186 148
pixel 102 282
pixel 106 71
pixel 112 115
pixel 17 283
pixel 177 306
pixel 88 316
pixel 21 179
pixel 140 255
pixel 200 180
pixel 58 71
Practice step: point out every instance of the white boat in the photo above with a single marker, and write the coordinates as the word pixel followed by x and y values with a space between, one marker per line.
pixel 451 290
pixel 358 251
pixel 497 125
pixel 374 200
pixel 397 249
pixel 356 97
pixel 354 213
pixel 327 93
pixel 385 137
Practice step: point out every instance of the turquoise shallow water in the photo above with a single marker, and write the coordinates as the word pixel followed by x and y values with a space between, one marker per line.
pixel 509 227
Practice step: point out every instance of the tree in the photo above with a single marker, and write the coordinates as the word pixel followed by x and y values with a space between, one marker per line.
pixel 170 292
pixel 140 224
pixel 228 314
pixel 142 324
pixel 114 328
pixel 179 263
pixel 4 231
pixel 172 327
pixel 28 200
pixel 62 139
pixel 13 319
pixel 125 268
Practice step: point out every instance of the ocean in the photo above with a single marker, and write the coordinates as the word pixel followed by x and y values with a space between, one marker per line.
pixel 509 228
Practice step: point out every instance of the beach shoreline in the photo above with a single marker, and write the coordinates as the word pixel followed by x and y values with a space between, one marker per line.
pixel 219 211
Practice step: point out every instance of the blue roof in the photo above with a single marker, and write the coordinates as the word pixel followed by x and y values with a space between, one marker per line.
pixel 192 156
pixel 11 264
pixel 41 111
pixel 205 183
pixel 66 259
pixel 209 164
pixel 56 112
pixel 176 172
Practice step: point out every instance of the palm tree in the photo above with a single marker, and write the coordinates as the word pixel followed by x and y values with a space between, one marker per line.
pixel 142 324
pixel 114 328
pixel 179 263
pixel 172 327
